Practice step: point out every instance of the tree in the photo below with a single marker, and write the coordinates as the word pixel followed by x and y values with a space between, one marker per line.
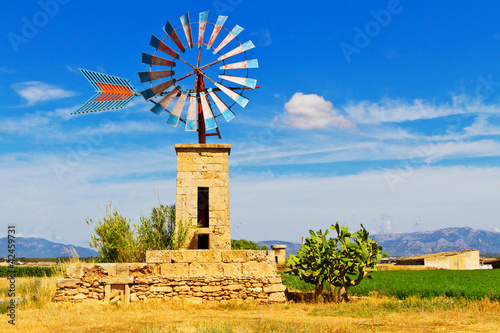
pixel 343 261
pixel 243 244
pixel 114 238
pixel 119 240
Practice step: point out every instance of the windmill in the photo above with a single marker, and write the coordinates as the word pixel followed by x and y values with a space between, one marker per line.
pixel 197 85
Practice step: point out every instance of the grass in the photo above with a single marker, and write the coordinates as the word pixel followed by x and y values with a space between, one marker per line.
pixel 380 313
pixel 474 284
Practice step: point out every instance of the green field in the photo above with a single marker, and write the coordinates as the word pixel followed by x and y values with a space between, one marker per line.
pixel 30 271
pixel 475 284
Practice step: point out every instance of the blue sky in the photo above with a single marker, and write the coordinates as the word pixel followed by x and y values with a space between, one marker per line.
pixel 384 113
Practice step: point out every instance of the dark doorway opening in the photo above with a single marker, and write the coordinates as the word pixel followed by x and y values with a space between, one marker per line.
pixel 203 207
pixel 203 242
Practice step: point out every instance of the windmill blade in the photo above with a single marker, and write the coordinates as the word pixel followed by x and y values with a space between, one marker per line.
pixel 202 27
pixel 154 75
pixel 155 90
pixel 242 48
pixel 165 102
pixel 243 64
pixel 111 92
pixel 186 26
pixel 149 59
pixel 243 101
pixel 173 119
pixel 232 34
pixel 158 44
pixel 218 26
pixel 191 117
pixel 224 110
pixel 207 112
pixel 170 31
pixel 250 83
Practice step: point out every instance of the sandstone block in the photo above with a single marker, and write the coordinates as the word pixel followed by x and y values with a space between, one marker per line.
pixel 205 269
pixel 122 269
pixel 80 296
pixel 211 289
pixel 70 292
pixel 210 256
pixel 174 269
pixel 141 269
pixel 74 270
pixel 273 288
pixel 277 297
pixel 161 289
pixel 83 290
pixel 254 290
pixel 181 289
pixel 234 256
pixel 118 280
pixel 233 287
pixel 257 255
pixel 68 283
pixel 254 268
pixel 184 256
pixel 232 269
pixel 158 256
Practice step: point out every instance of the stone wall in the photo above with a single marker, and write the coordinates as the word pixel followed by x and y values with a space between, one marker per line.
pixel 195 275
pixel 204 165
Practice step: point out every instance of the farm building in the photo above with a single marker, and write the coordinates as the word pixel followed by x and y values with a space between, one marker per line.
pixel 459 260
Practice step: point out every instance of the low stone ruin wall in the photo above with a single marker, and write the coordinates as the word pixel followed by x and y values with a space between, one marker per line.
pixel 195 275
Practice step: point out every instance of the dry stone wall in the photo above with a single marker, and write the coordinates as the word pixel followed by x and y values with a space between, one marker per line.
pixel 195 275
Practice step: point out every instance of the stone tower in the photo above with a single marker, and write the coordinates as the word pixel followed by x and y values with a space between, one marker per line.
pixel 202 196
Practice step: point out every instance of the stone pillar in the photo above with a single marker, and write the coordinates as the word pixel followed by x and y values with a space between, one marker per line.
pixel 204 166
pixel 279 252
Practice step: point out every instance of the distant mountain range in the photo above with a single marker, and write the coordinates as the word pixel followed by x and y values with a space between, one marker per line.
pixel 449 239
pixel 400 244
pixel 424 242
pixel 32 247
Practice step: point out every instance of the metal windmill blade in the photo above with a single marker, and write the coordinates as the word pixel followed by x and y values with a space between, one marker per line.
pixel 169 89
pixel 200 115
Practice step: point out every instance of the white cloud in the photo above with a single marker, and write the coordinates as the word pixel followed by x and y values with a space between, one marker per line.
pixel 35 92
pixel 72 69
pixel 263 206
pixel 28 122
pixel 481 126
pixel 262 37
pixel 314 112
pixel 391 110
pixel 286 207
pixel 45 205
pixel 385 225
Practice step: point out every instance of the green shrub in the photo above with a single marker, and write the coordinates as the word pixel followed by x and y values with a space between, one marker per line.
pixel 243 244
pixel 117 239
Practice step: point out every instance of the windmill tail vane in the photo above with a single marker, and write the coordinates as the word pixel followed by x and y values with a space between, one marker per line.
pixel 113 92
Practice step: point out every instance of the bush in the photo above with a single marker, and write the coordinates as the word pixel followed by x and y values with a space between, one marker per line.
pixel 243 244
pixel 119 240
pixel 343 261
